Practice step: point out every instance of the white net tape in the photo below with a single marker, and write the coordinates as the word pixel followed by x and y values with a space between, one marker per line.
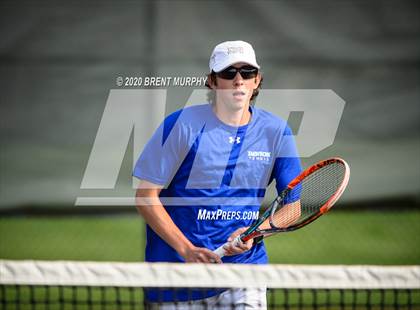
pixel 207 275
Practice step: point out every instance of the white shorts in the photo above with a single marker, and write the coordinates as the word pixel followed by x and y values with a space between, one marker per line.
pixel 240 299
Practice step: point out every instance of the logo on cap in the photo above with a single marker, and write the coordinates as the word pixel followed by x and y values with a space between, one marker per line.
pixel 235 49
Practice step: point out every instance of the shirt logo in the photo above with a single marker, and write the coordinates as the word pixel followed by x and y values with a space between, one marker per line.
pixel 236 140
pixel 258 155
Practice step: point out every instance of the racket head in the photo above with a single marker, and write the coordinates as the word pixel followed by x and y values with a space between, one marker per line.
pixel 334 169
pixel 309 195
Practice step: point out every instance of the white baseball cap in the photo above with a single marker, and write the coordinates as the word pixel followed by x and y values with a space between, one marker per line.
pixel 228 53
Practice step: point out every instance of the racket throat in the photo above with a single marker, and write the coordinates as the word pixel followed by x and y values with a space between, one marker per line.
pixel 253 235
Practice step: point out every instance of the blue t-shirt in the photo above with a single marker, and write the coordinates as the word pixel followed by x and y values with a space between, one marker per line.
pixel 215 177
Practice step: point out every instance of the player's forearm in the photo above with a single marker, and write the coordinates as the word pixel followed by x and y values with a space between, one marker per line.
pixel 159 220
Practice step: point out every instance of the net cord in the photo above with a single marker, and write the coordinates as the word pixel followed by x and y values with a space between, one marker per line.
pixel 72 273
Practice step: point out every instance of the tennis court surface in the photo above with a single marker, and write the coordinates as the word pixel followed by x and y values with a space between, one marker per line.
pixel 94 285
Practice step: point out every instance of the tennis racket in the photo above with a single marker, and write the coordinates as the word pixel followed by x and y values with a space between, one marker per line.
pixel 306 198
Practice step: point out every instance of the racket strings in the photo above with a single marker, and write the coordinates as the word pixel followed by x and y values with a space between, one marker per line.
pixel 306 198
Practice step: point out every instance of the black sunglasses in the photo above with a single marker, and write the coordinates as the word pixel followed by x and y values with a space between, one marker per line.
pixel 247 72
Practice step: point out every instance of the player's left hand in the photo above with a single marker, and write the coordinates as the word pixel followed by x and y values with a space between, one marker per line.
pixel 241 247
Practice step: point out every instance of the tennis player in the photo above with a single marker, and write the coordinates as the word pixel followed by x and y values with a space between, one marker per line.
pixel 204 173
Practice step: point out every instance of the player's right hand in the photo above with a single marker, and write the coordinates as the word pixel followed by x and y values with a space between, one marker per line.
pixel 201 255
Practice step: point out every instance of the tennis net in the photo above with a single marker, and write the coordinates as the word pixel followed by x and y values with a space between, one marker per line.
pixel 99 285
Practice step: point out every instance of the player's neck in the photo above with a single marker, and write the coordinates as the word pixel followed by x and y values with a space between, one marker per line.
pixel 233 118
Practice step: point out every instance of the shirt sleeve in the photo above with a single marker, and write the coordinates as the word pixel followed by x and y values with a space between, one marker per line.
pixel 287 163
pixel 163 154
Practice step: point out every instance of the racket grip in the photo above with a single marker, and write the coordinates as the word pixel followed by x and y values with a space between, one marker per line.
pixel 220 251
